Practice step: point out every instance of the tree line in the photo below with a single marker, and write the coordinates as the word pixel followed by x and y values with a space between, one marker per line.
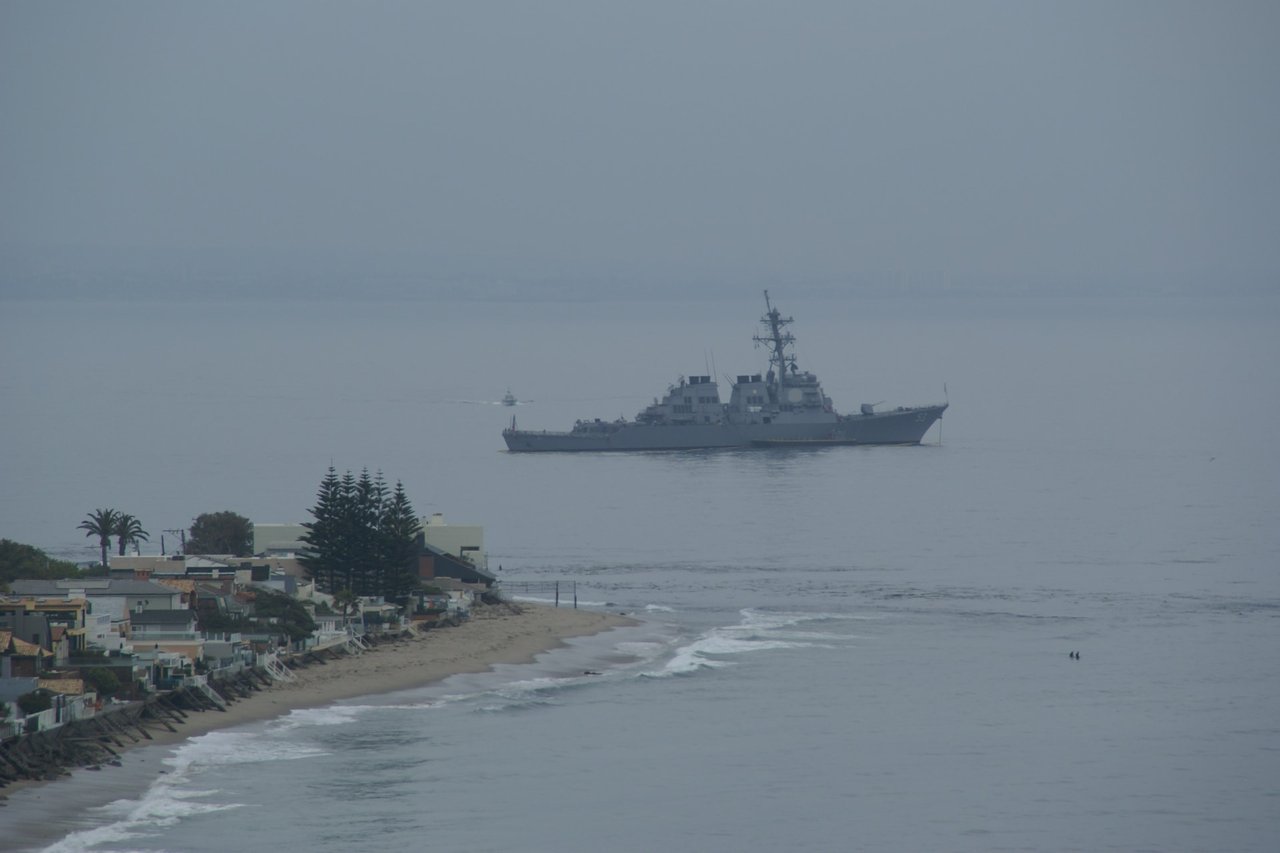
pixel 19 561
pixel 105 523
pixel 211 532
pixel 363 538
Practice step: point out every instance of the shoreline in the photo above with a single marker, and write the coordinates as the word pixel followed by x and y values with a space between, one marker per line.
pixel 495 634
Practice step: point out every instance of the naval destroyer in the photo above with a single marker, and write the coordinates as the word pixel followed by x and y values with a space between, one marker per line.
pixel 783 408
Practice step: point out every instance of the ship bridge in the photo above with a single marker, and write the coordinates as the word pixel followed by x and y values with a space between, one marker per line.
pixel 695 400
pixel 750 394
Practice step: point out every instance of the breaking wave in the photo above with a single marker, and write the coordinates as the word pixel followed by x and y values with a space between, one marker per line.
pixel 170 799
pixel 758 631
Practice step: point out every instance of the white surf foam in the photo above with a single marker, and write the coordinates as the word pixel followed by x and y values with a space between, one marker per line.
pixel 170 798
pixel 331 715
pixel 163 804
pixel 758 631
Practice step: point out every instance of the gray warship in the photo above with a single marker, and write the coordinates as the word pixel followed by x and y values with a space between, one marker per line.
pixel 783 408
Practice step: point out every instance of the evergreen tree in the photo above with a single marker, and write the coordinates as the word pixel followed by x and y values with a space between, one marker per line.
pixel 361 540
pixel 382 497
pixel 367 559
pixel 324 535
pixel 18 561
pixel 398 534
pixel 349 526
pixel 283 612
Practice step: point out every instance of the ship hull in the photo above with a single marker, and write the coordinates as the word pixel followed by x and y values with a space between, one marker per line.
pixel 901 426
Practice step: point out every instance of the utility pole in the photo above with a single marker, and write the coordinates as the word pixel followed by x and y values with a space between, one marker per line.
pixel 183 536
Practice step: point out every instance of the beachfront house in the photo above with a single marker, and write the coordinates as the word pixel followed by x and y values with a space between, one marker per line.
pixel 464 541
pixel 21 665
pixel 170 630
pixel 23 671
pixel 434 565
pixel 57 624
pixel 227 650
pixel 119 598
pixel 167 670
pixel 182 571
pixel 100 633
pixel 21 659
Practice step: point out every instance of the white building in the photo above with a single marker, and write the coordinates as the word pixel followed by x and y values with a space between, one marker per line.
pixel 458 540
pixel 278 540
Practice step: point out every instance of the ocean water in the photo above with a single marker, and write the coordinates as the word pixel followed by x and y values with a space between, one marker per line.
pixel 841 649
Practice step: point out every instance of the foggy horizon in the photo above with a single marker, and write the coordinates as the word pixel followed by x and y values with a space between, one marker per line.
pixel 572 148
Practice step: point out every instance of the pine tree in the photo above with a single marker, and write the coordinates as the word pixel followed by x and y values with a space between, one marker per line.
pixel 377 548
pixel 367 510
pixel 349 525
pixel 362 540
pixel 399 531
pixel 324 534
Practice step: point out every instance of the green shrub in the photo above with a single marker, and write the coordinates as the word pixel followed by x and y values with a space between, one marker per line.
pixel 35 701
pixel 102 680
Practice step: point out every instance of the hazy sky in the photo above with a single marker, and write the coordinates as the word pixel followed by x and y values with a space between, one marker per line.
pixel 688 141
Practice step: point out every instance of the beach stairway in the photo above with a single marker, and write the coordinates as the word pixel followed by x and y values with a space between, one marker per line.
pixel 277 670
pixel 357 644
pixel 205 689
pixel 199 684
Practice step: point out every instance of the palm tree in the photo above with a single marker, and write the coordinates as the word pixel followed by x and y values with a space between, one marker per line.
pixel 128 530
pixel 101 523
pixel 347 601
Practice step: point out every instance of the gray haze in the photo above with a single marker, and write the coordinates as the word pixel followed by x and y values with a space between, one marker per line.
pixel 826 144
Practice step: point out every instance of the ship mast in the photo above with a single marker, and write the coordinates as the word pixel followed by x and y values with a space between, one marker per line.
pixel 777 340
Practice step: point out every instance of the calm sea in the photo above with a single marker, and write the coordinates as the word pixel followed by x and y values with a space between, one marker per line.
pixel 844 649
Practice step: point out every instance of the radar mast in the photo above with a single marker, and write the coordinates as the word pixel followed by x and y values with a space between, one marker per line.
pixel 777 340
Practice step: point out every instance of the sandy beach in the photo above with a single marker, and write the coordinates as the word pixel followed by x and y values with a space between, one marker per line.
pixel 494 635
